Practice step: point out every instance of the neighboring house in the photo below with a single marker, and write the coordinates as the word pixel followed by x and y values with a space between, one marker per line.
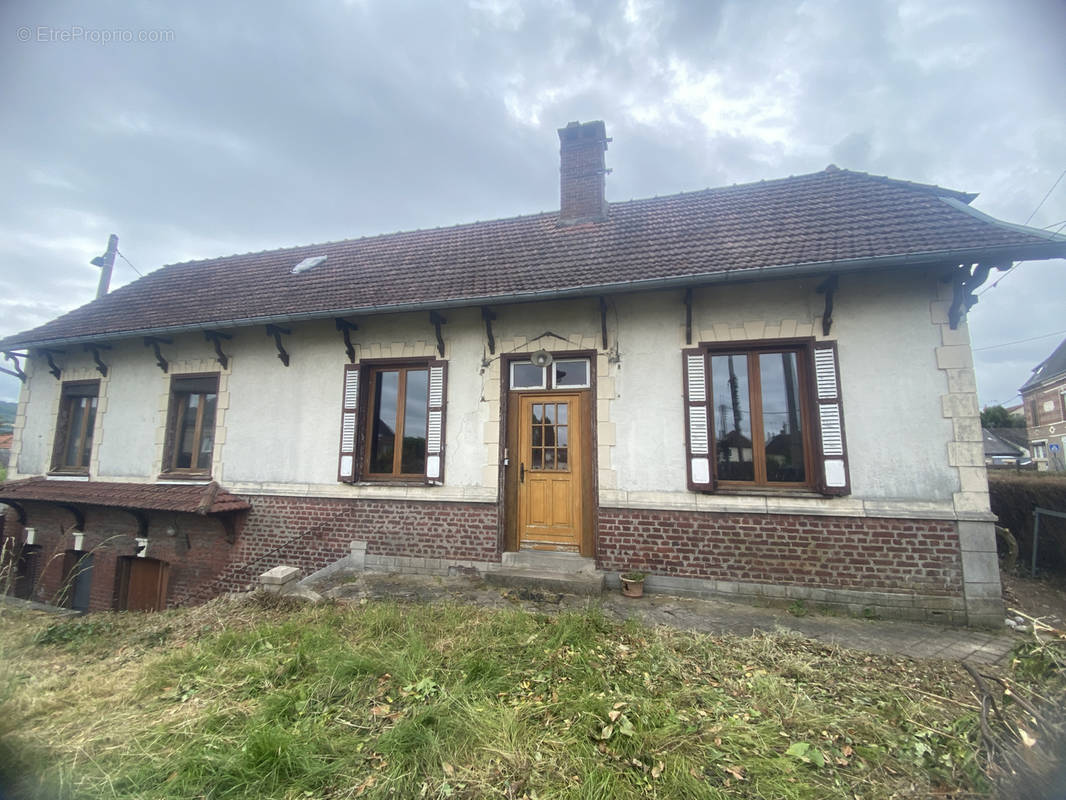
pixel 1044 403
pixel 761 391
pixel 1005 447
pixel 5 448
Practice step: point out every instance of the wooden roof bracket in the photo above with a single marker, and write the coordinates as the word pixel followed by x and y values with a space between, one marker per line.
pixel 95 349
pixel 216 337
pixel 437 321
pixel 77 513
pixel 277 332
pixel 828 287
pixel 965 280
pixel 688 315
pixel 154 342
pixel 232 522
pixel 17 372
pixel 57 373
pixel 603 320
pixel 20 512
pixel 346 328
pixel 489 316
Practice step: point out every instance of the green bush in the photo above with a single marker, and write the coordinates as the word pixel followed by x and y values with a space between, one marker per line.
pixel 1014 497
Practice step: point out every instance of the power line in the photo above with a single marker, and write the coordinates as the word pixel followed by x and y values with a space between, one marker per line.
pixel 1013 266
pixel 1019 341
pixel 128 262
pixel 1046 196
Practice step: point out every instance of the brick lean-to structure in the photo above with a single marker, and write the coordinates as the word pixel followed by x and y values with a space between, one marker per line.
pixel 760 391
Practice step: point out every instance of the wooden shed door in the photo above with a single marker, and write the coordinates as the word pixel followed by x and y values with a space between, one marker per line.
pixel 550 484
pixel 142 584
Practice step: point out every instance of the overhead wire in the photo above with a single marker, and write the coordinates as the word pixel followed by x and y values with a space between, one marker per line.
pixel 128 262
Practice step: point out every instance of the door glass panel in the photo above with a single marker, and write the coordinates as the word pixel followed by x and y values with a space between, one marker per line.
pixel 732 417
pixel 549 413
pixel 549 439
pixel 538 413
pixel 781 418
pixel 561 434
pixel 560 458
pixel 563 409
pixel 416 402
pixel 383 434
pixel 538 458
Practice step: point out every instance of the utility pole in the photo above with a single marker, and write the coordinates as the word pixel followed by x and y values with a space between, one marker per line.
pixel 106 263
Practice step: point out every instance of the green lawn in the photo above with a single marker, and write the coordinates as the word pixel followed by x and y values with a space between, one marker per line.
pixel 255 698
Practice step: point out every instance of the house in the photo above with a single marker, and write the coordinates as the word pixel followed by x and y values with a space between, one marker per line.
pixel 1006 447
pixel 5 448
pixel 758 391
pixel 1044 404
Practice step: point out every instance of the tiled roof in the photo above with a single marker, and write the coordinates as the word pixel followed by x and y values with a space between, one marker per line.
pixel 996 444
pixel 190 498
pixel 834 218
pixel 1052 367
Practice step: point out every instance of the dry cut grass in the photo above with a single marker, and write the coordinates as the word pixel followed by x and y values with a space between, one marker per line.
pixel 255 698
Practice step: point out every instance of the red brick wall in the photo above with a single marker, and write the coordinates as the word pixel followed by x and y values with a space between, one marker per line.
pixel 311 533
pixel 826 552
pixel 196 553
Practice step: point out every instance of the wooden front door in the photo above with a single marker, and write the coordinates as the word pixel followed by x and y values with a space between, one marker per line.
pixel 142 584
pixel 551 471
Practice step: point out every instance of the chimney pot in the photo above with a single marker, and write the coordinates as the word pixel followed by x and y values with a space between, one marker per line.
pixel 582 171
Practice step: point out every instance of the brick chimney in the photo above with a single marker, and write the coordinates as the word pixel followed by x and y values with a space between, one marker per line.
pixel 582 172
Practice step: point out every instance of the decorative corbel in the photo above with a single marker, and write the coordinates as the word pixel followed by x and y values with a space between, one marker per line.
pixel 437 321
pixel 489 316
pixel 154 342
pixel 142 521
pixel 603 320
pixel 688 315
pixel 216 337
pixel 57 373
pixel 346 328
pixel 828 287
pixel 277 332
pixel 17 371
pixel 77 513
pixel 95 349
pixel 965 280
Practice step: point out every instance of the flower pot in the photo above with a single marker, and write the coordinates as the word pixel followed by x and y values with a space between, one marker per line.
pixel 631 587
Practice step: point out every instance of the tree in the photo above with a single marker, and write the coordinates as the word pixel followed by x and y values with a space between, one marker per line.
pixel 999 417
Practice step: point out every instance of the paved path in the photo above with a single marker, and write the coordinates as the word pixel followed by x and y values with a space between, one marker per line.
pixel 913 639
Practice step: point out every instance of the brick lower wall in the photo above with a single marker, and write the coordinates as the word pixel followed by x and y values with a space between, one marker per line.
pixel 311 533
pixel 828 552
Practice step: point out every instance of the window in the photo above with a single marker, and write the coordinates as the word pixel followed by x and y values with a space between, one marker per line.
pixel 393 430
pixel 568 373
pixel 1040 451
pixel 74 429
pixel 765 416
pixel 191 425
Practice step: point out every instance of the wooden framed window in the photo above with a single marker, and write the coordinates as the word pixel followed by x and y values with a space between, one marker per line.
pixel 191 425
pixel 765 415
pixel 74 428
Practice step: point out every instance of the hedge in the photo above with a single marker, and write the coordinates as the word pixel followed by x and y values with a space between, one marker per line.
pixel 1013 498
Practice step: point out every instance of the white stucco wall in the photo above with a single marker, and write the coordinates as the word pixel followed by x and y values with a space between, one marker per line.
pixel 279 427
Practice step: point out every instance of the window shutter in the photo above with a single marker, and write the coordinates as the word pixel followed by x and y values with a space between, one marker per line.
pixel 697 421
pixel 834 456
pixel 438 396
pixel 349 423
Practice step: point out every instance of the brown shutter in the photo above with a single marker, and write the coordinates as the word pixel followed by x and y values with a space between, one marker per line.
pixel 834 454
pixel 697 421
pixel 438 397
pixel 349 424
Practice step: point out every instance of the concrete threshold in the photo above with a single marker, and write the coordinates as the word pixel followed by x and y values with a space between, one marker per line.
pixel 579 583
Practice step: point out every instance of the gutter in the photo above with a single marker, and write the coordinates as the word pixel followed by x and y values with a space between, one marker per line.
pixel 1012 252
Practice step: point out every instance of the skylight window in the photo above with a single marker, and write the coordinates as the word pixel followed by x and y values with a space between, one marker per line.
pixel 308 263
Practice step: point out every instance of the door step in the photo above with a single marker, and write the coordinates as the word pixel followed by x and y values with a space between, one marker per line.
pixel 567 573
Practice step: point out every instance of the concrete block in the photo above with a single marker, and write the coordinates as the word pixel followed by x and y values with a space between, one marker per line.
pixel 978 568
pixel 977 537
pixel 962 380
pixel 971 502
pixel 959 404
pixel 280 579
pixel 953 357
pixel 967 429
pixel 973 479
pixel 966 454
pixel 959 336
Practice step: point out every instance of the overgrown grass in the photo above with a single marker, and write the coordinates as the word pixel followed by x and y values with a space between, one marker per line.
pixel 253 698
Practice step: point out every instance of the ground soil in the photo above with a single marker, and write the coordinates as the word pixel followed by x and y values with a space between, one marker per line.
pixel 1043 597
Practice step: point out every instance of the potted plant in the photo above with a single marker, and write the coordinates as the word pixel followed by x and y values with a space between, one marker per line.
pixel 632 584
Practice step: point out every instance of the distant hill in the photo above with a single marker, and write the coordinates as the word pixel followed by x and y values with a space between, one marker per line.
pixel 7 415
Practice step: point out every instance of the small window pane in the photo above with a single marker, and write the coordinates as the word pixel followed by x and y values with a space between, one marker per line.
pixel 563 410
pixel 781 418
pixel 732 417
pixel 538 413
pixel 537 458
pixel 76 414
pixel 572 373
pixel 525 375
pixel 538 435
pixel 561 456
pixel 414 422
pixel 549 414
pixel 560 435
pixel 383 434
pixel 90 424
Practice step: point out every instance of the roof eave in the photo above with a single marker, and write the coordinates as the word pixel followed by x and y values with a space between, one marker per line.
pixel 1055 248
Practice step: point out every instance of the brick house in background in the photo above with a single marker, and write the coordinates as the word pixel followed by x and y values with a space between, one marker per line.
pixel 1044 405
pixel 758 391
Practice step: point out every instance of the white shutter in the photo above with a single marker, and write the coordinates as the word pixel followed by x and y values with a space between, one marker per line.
pixel 698 449
pixel 438 397
pixel 349 424
pixel 834 451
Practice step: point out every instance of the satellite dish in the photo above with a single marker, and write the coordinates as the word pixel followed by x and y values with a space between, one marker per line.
pixel 541 358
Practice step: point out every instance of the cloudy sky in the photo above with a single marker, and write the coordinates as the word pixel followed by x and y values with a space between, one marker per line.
pixel 201 129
